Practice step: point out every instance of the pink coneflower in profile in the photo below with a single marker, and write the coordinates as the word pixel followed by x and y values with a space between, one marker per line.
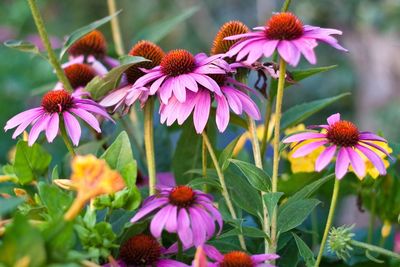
pixel 286 33
pixel 180 72
pixel 56 104
pixel 189 213
pixel 344 137
pixel 143 250
pixel 232 98
pixel 237 258
pixel 126 95
pixel 91 49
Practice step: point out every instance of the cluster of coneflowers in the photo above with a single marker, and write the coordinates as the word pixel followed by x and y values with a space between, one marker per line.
pixel 185 85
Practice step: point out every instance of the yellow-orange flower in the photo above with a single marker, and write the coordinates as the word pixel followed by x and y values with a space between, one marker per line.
pixel 91 177
pixel 301 164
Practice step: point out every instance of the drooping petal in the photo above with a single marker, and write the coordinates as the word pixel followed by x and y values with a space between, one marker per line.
pixel 303 136
pixel 198 228
pixel 172 220
pixel 356 161
pixel 37 128
pixel 325 158
pixel 289 52
pixel 342 163
pixel 52 127
pixel 222 113
pixel 259 258
pixel 158 203
pixel 170 263
pixel 213 253
pixel 201 111
pixel 374 158
pixel 21 117
pixel 87 117
pixel 306 47
pixel 308 148
pixel 184 231
pixel 269 47
pixel 156 85
pixel 371 137
pixel 158 222
pixel 28 120
pixel 73 128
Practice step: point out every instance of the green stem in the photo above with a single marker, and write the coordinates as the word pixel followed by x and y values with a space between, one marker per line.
pixel 285 6
pixel 328 225
pixel 267 120
pixel 204 161
pixel 372 220
pixel 115 29
pixel 66 140
pixel 180 250
pixel 149 144
pixel 376 249
pixel 275 166
pixel 221 177
pixel 45 39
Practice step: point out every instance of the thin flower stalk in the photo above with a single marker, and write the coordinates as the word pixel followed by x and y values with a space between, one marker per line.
pixel 46 42
pixel 225 193
pixel 115 29
pixel 149 144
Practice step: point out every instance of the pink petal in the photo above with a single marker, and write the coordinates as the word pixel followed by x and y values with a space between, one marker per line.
pixel 333 118
pixel 306 46
pixel 342 163
pixel 37 128
pixel 356 161
pixel 222 115
pixel 158 222
pixel 324 158
pixel 21 117
pixel 303 136
pixel 374 158
pixel 73 128
pixel 52 127
pixel 198 227
pixel 289 52
pixel 201 111
pixel 184 232
pixel 87 117
pixel 269 47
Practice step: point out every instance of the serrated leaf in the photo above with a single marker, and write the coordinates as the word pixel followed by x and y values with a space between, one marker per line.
pixel 8 205
pixel 304 251
pixel 100 86
pixel 157 31
pixel 271 200
pixel 299 113
pixel 257 177
pixel 23 46
pixel 30 162
pixel 310 189
pixel 187 155
pixel 293 214
pixel 226 154
pixel 79 33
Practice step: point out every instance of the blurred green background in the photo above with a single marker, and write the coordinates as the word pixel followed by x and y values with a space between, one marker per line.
pixel 371 71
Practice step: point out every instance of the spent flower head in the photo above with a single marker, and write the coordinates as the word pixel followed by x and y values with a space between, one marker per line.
pixel 91 177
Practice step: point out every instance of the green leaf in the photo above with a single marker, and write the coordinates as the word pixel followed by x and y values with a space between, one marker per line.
pixel 293 214
pixel 304 251
pixel 187 155
pixel 299 75
pixel 199 183
pixel 271 200
pixel 23 46
pixel 310 189
pixel 79 33
pixel 243 194
pixel 257 177
pixel 100 86
pixel 246 231
pixel 226 154
pixel 299 113
pixel 119 157
pixel 21 240
pixel 8 205
pixel 157 31
pixel 30 162
pixel 54 199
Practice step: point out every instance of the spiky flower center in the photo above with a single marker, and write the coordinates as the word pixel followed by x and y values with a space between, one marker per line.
pixel 149 51
pixel 57 101
pixel 343 133
pixel 182 196
pixel 236 259
pixel 177 62
pixel 284 26
pixel 221 46
pixel 79 74
pixel 140 250
pixel 94 43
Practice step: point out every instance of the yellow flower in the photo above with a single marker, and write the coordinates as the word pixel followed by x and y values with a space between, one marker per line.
pixel 371 170
pixel 305 163
pixel 91 177
pixel 386 229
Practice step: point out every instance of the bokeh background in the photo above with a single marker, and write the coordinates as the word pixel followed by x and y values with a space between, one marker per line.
pixel 370 71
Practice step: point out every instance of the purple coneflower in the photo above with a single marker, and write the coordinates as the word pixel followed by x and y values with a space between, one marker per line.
pixel 232 98
pixel 47 116
pixel 286 33
pixel 143 250
pixel 91 49
pixel 180 70
pixel 345 137
pixel 182 210
pixel 126 95
pixel 237 258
